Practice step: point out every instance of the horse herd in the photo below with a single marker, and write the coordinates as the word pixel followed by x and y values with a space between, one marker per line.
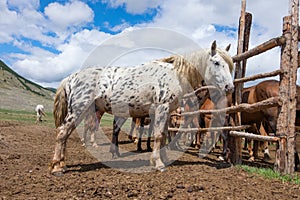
pixel 154 91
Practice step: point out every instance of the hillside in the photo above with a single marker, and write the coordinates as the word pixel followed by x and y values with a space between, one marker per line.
pixel 18 93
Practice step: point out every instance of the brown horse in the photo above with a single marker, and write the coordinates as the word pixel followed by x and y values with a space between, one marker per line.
pixel 266 119
pixel 263 121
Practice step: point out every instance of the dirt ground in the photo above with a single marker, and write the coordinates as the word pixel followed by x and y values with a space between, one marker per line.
pixel 26 151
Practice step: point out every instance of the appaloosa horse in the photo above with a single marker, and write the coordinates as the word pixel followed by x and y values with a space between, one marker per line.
pixel 154 89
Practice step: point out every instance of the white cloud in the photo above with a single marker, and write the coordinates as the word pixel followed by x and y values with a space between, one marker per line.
pixel 43 66
pixel 21 4
pixel 72 15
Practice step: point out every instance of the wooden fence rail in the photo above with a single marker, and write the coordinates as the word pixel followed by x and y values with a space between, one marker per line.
pixel 223 128
pixel 274 42
pixel 243 107
pixel 254 136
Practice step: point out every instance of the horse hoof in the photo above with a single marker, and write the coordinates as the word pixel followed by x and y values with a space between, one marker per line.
pixel 149 149
pixel 57 174
pixel 140 150
pixel 95 145
pixel 115 155
pixel 221 158
pixel 251 159
pixel 161 169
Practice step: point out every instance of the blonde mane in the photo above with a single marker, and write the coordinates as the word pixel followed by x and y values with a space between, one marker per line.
pixel 185 66
pixel 225 55
pixel 186 69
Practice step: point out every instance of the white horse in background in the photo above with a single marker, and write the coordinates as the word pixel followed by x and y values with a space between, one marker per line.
pixel 154 89
pixel 40 111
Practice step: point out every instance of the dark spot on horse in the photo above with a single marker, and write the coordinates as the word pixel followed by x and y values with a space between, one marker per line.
pixel 116 69
pixel 152 88
pixel 131 105
pixel 81 105
pixel 131 97
pixel 86 97
pixel 79 94
pixel 105 85
pixel 89 91
pixel 161 93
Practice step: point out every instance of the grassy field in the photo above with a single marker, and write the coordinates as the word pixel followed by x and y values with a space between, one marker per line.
pixel 30 117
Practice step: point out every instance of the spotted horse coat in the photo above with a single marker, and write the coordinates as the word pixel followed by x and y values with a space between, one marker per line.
pixel 154 89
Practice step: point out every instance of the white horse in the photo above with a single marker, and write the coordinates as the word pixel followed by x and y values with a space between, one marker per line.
pixel 154 89
pixel 40 111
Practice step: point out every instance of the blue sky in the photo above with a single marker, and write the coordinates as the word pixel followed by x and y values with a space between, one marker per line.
pixel 47 40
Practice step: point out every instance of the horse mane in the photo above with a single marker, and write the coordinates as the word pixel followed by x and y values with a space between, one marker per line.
pixel 225 55
pixel 186 69
pixel 185 65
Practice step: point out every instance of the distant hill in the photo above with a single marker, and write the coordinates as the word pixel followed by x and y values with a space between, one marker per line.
pixel 19 93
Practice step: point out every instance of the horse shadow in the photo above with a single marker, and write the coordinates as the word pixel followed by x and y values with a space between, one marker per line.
pixel 128 164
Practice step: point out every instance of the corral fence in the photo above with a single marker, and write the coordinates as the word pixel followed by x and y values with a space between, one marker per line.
pixel 286 101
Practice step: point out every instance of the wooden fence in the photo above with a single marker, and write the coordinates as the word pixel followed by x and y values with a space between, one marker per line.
pixel 285 132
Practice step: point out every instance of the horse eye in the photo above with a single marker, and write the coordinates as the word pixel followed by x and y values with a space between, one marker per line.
pixel 216 63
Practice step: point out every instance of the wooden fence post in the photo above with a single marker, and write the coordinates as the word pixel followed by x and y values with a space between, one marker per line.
pixel 243 43
pixel 287 91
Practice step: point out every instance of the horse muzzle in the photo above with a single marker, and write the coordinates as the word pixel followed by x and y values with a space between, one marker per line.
pixel 229 88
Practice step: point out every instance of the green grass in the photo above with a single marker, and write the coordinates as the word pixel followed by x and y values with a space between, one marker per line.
pixel 25 117
pixel 30 117
pixel 270 174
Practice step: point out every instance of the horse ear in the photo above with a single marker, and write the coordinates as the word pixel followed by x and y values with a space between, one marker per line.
pixel 213 48
pixel 228 47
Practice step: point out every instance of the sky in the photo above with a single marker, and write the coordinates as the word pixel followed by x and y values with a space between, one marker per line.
pixel 46 40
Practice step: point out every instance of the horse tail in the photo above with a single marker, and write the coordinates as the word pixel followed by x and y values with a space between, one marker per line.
pixel 60 110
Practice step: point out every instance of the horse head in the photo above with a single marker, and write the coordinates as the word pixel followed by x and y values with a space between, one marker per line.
pixel 219 69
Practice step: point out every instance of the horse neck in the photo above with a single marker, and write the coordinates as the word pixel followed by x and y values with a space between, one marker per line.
pixel 190 69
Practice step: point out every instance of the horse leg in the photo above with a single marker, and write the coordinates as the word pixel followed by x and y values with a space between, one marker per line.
pixel 160 121
pixel 250 150
pixel 133 128
pixel 149 149
pixel 58 162
pixel 93 138
pixel 114 147
pixel 141 130
pixel 135 135
pixel 265 144
pixel 95 127
pixel 85 130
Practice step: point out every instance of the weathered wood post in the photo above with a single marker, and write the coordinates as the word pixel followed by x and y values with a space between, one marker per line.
pixel 243 43
pixel 286 119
